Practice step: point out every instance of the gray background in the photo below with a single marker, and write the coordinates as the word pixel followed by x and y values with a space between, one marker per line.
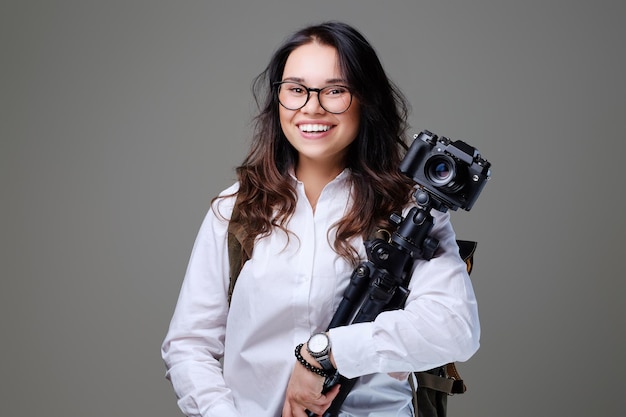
pixel 121 119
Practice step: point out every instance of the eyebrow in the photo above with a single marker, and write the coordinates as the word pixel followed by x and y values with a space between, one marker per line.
pixel 328 81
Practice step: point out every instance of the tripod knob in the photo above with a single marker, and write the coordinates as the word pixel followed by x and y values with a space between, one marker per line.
pixel 395 218
pixel 422 198
pixel 429 246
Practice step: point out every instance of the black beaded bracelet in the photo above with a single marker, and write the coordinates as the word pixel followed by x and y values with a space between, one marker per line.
pixel 307 365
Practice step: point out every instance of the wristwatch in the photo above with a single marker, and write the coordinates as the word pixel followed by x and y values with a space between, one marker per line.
pixel 318 346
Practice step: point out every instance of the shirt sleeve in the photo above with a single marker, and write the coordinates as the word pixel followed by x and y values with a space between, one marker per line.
pixel 439 323
pixel 194 343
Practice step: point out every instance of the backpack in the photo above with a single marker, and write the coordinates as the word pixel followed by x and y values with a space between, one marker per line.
pixel 433 386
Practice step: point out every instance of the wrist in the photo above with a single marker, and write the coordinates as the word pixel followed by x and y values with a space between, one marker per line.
pixel 309 362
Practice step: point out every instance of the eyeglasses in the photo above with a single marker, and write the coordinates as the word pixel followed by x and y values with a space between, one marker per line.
pixel 334 99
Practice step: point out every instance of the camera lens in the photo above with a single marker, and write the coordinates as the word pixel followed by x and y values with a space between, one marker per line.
pixel 441 171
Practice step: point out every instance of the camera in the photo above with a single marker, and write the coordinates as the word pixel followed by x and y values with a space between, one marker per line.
pixel 452 173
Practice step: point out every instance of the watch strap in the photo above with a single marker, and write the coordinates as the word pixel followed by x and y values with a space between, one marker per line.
pixel 326 364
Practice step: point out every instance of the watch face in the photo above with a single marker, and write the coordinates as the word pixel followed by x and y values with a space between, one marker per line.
pixel 318 342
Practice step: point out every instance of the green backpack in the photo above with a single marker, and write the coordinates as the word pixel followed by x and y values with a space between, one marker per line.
pixel 434 386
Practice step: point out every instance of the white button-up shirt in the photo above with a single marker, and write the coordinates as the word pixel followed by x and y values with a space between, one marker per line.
pixel 236 361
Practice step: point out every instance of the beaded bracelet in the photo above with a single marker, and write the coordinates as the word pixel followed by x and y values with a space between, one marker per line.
pixel 307 365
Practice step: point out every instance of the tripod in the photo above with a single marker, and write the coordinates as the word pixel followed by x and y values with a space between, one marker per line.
pixel 381 283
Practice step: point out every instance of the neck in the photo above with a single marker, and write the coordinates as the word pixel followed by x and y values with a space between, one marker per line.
pixel 315 177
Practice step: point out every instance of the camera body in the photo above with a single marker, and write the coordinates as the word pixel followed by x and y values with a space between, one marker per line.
pixel 453 173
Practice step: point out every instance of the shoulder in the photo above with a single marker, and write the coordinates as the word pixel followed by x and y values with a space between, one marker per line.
pixel 217 217
pixel 222 205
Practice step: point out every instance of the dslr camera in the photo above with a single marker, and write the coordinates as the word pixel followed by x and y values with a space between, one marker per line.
pixel 452 173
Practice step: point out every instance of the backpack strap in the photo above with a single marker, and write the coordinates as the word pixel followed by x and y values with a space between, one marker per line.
pixel 467 248
pixel 237 253
pixel 444 379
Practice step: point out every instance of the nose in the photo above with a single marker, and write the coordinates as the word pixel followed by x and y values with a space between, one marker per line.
pixel 313 105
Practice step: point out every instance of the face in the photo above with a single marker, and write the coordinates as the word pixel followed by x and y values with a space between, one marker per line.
pixel 319 137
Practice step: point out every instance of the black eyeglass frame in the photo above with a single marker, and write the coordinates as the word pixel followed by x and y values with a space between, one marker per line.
pixel 278 84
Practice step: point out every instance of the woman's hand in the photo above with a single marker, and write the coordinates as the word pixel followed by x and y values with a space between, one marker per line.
pixel 304 391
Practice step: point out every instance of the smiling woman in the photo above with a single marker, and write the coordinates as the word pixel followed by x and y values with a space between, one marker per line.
pixel 320 137
pixel 321 175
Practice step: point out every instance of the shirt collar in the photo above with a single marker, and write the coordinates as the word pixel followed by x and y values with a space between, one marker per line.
pixel 341 178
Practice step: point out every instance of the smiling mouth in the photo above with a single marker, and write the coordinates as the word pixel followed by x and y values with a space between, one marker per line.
pixel 314 128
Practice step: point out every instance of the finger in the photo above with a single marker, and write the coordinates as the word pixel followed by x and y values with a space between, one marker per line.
pixel 314 412
pixel 286 410
pixel 323 402
pixel 293 411
pixel 333 392
pixel 327 400
pixel 299 412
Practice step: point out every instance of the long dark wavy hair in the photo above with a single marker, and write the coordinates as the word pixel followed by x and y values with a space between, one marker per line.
pixel 267 197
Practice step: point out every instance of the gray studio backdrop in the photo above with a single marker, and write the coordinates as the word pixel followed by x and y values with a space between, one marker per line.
pixel 119 121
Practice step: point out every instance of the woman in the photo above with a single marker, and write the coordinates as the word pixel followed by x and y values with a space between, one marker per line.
pixel 321 175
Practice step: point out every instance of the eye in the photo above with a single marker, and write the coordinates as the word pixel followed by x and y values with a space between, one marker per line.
pixel 294 89
pixel 335 90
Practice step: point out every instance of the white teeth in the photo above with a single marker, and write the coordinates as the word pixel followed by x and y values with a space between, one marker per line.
pixel 314 128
